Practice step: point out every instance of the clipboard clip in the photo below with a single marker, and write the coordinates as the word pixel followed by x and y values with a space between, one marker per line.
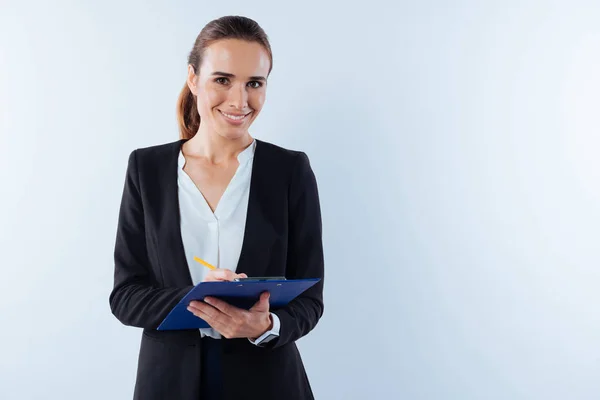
pixel 260 278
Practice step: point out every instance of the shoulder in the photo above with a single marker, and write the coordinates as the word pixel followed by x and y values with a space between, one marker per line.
pixel 154 156
pixel 290 166
pixel 281 156
pixel 277 150
pixel 157 151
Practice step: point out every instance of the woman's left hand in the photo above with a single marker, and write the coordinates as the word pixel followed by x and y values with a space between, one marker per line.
pixel 232 322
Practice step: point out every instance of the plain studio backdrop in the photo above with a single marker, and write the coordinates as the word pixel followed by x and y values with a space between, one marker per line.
pixel 455 146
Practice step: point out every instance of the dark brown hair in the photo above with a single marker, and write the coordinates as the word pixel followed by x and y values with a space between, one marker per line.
pixel 229 27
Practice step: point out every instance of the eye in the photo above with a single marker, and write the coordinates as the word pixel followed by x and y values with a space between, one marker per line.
pixel 255 84
pixel 222 81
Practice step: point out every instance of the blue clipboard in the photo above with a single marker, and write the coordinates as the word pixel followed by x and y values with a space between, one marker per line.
pixel 243 294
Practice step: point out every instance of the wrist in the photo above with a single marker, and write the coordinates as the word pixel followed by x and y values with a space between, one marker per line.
pixel 265 326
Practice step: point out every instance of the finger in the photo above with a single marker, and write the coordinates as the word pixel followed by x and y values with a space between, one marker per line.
pixel 195 303
pixel 223 306
pixel 220 274
pixel 242 275
pixel 199 306
pixel 206 310
pixel 265 296
pixel 262 304
pixel 198 313
pixel 220 322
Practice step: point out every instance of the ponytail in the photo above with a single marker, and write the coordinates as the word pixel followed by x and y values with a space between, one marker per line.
pixel 188 118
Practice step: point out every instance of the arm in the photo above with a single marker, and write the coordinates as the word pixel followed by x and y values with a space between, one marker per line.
pixel 305 255
pixel 135 300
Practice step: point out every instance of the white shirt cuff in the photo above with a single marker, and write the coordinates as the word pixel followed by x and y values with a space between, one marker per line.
pixel 273 331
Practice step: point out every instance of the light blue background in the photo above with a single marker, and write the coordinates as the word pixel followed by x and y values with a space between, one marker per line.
pixel 456 150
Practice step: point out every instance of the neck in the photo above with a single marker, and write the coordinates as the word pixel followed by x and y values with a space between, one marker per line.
pixel 215 148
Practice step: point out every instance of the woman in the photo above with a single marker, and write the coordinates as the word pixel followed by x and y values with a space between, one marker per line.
pixel 246 206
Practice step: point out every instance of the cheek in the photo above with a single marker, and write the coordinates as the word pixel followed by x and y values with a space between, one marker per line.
pixel 207 100
pixel 257 100
pixel 214 98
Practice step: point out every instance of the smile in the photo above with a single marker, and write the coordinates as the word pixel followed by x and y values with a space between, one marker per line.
pixel 234 118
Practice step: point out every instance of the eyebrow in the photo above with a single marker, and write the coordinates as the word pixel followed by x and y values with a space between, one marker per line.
pixel 228 75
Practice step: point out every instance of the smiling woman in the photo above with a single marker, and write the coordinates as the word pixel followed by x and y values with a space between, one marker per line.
pixel 247 207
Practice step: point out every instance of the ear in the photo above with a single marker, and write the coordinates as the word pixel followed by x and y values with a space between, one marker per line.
pixel 192 80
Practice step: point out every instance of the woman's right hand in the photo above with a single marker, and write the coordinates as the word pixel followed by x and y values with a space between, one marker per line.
pixel 222 274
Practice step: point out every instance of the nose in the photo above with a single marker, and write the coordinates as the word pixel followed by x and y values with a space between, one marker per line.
pixel 238 97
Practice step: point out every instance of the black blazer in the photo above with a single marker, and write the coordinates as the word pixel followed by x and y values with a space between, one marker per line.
pixel 282 237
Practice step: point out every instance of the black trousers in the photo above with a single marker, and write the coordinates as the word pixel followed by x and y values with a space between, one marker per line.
pixel 212 371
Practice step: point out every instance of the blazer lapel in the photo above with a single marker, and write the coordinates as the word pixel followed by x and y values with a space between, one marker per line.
pixel 175 268
pixel 259 233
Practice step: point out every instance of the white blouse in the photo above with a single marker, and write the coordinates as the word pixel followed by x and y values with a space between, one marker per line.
pixel 216 237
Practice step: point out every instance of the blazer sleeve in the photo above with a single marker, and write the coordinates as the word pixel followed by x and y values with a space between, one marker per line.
pixel 305 255
pixel 136 298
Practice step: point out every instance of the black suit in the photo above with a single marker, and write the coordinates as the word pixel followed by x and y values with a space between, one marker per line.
pixel 282 238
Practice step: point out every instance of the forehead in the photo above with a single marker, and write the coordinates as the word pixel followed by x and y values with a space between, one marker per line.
pixel 237 57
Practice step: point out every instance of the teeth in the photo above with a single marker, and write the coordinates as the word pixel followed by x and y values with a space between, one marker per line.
pixel 233 116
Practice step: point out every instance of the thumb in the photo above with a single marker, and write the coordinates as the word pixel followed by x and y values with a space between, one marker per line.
pixel 262 305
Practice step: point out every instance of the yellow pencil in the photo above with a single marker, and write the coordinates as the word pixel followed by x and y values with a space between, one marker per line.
pixel 207 265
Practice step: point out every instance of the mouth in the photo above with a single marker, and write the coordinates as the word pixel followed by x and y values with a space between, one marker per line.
pixel 235 119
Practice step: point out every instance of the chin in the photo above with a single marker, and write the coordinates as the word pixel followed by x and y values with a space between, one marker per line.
pixel 233 134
